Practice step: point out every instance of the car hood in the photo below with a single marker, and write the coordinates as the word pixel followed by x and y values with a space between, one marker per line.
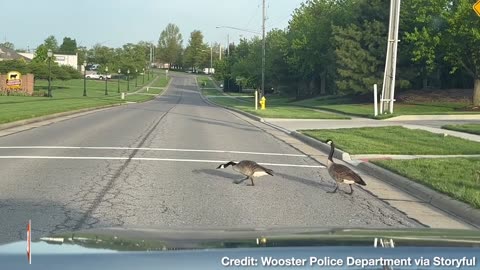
pixel 151 239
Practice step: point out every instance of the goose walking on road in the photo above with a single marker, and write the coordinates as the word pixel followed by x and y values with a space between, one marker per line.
pixel 341 173
pixel 248 168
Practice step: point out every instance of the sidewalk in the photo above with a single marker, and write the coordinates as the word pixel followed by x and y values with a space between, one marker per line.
pixel 433 126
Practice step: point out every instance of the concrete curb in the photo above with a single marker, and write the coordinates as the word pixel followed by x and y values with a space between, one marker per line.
pixel 339 154
pixel 249 115
pixel 53 116
pixel 456 208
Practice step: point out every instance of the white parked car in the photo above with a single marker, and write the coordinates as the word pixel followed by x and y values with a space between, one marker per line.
pixel 96 76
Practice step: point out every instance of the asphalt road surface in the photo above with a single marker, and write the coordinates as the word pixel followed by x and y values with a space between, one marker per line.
pixel 153 164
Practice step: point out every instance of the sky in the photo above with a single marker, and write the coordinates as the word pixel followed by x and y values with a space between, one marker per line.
pixel 116 22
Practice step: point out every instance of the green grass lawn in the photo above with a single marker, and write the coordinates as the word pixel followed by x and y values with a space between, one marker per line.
pixel 67 96
pixel 457 177
pixel 162 81
pixel 211 92
pixel 469 128
pixel 348 106
pixel 275 109
pixel 395 141
pixel 205 82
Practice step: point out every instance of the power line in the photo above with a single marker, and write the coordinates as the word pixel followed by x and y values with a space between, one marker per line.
pixel 254 14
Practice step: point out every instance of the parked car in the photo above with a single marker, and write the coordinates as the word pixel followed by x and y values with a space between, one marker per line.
pixel 96 76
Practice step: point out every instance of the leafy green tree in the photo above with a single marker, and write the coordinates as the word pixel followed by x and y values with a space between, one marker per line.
pixel 101 55
pixel 41 53
pixel 170 45
pixel 51 43
pixel 196 51
pixel 463 42
pixel 7 45
pixel 360 56
pixel 425 27
pixel 69 46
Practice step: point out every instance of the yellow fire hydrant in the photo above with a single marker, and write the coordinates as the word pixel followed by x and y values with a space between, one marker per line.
pixel 263 103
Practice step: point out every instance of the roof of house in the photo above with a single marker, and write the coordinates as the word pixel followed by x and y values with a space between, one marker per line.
pixel 9 54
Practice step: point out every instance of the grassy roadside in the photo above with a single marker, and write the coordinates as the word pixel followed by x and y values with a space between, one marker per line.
pixel 349 106
pixel 395 141
pixel 67 96
pixel 205 82
pixel 274 110
pixel 468 128
pixel 458 178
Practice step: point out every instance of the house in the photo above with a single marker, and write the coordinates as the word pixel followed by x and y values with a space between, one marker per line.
pixel 9 54
pixel 61 59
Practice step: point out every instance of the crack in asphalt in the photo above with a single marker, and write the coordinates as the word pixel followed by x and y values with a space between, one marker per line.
pixel 118 173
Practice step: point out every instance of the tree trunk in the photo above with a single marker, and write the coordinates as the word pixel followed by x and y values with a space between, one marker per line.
pixel 323 78
pixel 476 92
pixel 425 83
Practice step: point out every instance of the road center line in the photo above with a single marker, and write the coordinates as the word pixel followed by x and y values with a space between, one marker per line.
pixel 154 159
pixel 150 149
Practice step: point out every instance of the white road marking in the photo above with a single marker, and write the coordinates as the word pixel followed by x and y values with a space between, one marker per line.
pixel 150 149
pixel 154 159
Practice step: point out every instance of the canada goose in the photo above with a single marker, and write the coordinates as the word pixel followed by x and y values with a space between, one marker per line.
pixel 248 168
pixel 341 173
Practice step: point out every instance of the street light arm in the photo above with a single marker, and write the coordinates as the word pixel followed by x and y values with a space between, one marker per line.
pixel 240 29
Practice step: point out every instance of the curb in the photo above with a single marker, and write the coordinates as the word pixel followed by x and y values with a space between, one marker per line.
pixel 339 154
pixel 441 201
pixel 53 116
pixel 249 115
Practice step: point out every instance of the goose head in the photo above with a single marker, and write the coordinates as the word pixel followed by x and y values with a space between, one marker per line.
pixel 223 166
pixel 329 142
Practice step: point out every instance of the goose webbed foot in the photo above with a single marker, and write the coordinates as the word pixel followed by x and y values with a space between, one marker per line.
pixel 334 191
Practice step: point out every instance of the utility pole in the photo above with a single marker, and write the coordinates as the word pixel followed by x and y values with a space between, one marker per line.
pixel 211 58
pixel 228 44
pixel 262 92
pixel 388 91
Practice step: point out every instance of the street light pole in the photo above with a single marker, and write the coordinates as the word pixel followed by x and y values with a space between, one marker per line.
pixel 49 54
pixel 118 77
pixel 136 77
pixel 84 78
pixel 128 80
pixel 211 59
pixel 106 81
pixel 143 76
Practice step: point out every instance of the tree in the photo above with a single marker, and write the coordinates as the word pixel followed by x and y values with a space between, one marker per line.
pixel 360 56
pixel 51 43
pixel 424 30
pixel 69 46
pixel 101 55
pixel 276 69
pixel 463 41
pixel 7 45
pixel 41 53
pixel 196 51
pixel 170 44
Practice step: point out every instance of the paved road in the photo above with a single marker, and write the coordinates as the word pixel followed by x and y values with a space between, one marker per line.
pixel 153 164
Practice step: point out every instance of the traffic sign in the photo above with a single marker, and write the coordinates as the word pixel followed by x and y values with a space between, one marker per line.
pixel 476 7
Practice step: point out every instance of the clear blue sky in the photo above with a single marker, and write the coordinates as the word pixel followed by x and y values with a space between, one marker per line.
pixel 116 22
